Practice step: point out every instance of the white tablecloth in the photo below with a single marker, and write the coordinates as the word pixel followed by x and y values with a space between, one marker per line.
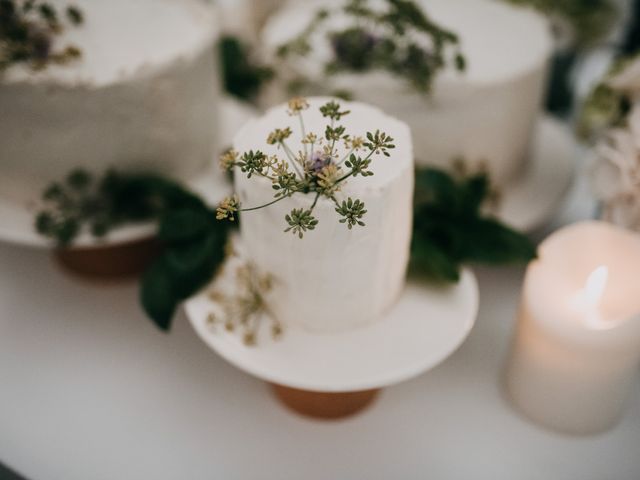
pixel 89 389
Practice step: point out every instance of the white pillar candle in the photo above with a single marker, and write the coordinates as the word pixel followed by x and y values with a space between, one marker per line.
pixel 577 346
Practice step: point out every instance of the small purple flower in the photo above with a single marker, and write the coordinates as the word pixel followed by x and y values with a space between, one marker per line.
pixel 318 161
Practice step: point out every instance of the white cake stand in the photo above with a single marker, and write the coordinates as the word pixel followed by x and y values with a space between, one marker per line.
pixel 17 220
pixel 425 326
pixel 532 199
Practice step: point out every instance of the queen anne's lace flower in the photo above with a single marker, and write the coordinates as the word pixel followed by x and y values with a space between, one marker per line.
pixel 627 80
pixel 616 173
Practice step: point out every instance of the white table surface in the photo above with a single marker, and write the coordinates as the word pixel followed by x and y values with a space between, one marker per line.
pixel 89 389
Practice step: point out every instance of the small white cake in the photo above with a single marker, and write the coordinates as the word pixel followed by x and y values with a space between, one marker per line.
pixel 142 97
pixel 485 115
pixel 334 278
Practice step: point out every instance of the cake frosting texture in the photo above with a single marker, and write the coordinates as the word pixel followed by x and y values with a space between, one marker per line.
pixel 142 97
pixel 334 278
pixel 485 115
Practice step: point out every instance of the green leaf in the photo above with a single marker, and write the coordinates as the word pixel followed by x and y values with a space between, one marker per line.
pixel 157 294
pixel 473 192
pixel 243 77
pixel 429 261
pixel 449 228
pixel 490 242
pixel 44 223
pixel 192 265
pixel 78 179
pixel 179 273
pixel 435 187
pixel 183 224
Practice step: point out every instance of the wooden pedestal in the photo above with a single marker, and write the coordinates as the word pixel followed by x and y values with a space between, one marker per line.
pixel 110 262
pixel 322 405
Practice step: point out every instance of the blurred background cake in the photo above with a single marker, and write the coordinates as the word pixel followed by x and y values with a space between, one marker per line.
pixel 484 115
pixel 142 95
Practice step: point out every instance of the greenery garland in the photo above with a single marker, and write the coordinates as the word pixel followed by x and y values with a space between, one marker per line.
pixel 398 37
pixel 449 229
pixel 27 32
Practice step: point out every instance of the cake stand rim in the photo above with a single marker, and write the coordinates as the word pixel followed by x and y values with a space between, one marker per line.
pixel 241 357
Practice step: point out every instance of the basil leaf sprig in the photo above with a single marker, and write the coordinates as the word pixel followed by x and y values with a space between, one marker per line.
pixel 450 228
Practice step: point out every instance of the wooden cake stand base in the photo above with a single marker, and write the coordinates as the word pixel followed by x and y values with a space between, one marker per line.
pixel 328 406
pixel 116 262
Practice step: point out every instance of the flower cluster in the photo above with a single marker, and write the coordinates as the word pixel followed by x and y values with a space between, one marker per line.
pixel 245 307
pixel 616 173
pixel 612 115
pixel 27 29
pixel 397 37
pixel 317 169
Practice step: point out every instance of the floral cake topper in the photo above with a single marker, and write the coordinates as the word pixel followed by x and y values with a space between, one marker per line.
pixel 317 168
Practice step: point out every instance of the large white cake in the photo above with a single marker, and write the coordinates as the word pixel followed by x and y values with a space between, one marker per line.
pixel 485 115
pixel 142 97
pixel 334 278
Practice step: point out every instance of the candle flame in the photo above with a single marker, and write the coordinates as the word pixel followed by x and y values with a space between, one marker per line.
pixel 596 284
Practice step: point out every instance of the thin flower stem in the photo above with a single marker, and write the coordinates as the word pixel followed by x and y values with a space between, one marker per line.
pixel 303 132
pixel 265 205
pixel 344 177
pixel 273 179
pixel 287 151
pixel 315 200
pixel 346 156
pixel 292 158
pixel 333 142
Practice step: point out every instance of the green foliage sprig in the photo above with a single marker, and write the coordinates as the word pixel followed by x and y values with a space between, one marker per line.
pixel 399 38
pixel 193 242
pixel 590 20
pixel 317 169
pixel 605 107
pixel 27 32
pixel 243 76
pixel 450 229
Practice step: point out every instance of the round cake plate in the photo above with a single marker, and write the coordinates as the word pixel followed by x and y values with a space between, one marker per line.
pixel 16 220
pixel 531 200
pixel 426 325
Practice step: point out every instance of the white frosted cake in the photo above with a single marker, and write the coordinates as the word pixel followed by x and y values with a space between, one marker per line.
pixel 334 278
pixel 141 97
pixel 484 115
